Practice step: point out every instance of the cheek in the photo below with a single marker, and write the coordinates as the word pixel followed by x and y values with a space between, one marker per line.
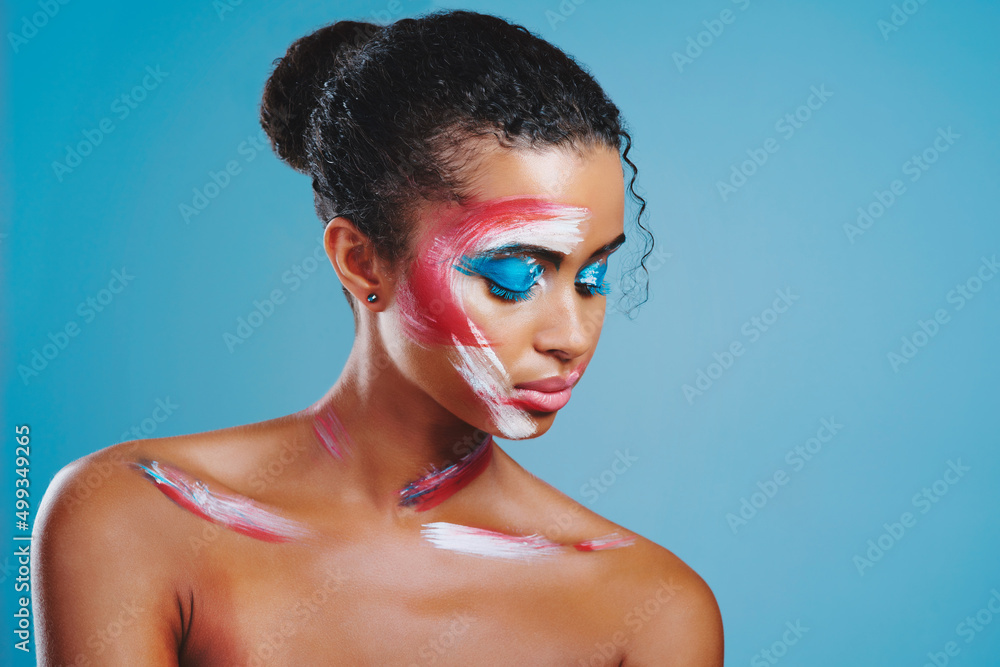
pixel 505 326
pixel 429 312
pixel 429 297
pixel 434 311
pixel 432 367
pixel 472 380
pixel 593 322
pixel 441 306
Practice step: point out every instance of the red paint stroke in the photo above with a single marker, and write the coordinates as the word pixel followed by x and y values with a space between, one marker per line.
pixel 434 488
pixel 607 542
pixel 331 433
pixel 430 312
pixel 238 513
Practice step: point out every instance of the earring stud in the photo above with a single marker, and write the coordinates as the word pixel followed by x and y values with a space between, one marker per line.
pixel 372 298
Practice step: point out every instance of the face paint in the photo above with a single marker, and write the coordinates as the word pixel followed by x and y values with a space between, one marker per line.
pixel 511 278
pixel 592 277
pixel 331 433
pixel 612 541
pixel 492 544
pixel 430 299
pixel 487 543
pixel 428 491
pixel 431 489
pixel 437 486
pixel 236 512
pixel 483 372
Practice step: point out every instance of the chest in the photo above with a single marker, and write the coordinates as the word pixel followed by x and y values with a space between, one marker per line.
pixel 399 604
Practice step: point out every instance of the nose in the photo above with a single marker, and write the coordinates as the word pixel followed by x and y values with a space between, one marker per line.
pixel 568 325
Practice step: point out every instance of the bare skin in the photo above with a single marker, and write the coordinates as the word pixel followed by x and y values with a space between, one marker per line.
pixel 124 576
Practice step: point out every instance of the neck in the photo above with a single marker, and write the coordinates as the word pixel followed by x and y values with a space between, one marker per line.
pixel 395 446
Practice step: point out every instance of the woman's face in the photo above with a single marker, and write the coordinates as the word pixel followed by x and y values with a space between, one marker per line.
pixel 501 310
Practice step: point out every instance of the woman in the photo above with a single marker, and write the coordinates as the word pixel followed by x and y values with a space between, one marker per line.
pixel 469 177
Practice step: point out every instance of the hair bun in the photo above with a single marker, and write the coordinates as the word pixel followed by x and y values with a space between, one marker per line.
pixel 291 92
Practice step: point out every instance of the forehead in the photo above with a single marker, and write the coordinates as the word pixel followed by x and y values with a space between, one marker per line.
pixel 588 180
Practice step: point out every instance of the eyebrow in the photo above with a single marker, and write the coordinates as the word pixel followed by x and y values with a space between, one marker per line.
pixel 554 256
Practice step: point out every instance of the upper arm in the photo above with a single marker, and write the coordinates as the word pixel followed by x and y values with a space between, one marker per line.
pixel 686 628
pixel 102 594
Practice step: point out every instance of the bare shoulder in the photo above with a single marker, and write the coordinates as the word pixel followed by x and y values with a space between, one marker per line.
pixel 106 494
pixel 102 559
pixel 661 611
pixel 674 613
pixel 113 573
pixel 102 491
pixel 107 488
pixel 94 495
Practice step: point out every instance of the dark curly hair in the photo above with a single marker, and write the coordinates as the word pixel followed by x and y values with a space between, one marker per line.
pixel 381 116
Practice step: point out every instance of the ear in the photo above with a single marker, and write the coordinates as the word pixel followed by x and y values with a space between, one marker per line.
pixel 353 258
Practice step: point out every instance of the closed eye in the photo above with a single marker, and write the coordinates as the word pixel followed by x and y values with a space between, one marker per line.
pixel 591 278
pixel 511 272
pixel 510 277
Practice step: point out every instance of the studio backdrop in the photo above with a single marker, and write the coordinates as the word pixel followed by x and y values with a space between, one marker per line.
pixel 805 410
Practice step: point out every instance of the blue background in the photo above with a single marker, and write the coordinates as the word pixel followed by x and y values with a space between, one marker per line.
pixel 721 260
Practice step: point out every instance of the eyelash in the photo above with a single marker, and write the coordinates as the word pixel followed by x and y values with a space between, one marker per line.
pixel 474 266
pixel 510 295
pixel 602 288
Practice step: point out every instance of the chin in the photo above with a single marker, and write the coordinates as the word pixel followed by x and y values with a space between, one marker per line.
pixel 541 424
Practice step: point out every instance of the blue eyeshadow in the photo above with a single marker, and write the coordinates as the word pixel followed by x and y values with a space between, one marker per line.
pixel 592 277
pixel 512 273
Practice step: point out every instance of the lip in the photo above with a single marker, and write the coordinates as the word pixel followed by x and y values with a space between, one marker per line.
pixel 554 384
pixel 542 401
pixel 546 395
